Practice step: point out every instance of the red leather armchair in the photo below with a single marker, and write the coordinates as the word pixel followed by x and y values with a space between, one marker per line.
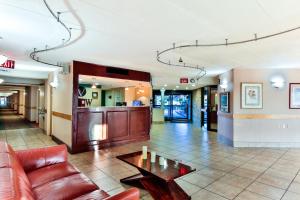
pixel 45 173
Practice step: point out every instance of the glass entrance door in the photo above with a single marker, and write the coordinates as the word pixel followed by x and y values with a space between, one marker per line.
pixel 177 106
pixel 180 107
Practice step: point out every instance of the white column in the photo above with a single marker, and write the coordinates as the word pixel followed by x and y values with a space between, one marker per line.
pixel 162 93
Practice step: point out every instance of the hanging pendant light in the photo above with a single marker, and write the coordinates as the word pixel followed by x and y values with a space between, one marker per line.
pixel 180 60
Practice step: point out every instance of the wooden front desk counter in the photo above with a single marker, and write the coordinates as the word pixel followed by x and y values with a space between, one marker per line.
pixel 96 128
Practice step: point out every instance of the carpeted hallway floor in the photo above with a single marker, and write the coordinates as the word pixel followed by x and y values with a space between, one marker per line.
pixel 9 119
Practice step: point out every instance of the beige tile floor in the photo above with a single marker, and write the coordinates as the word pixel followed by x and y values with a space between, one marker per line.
pixel 222 172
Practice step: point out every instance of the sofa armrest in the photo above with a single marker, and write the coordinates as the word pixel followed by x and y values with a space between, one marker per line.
pixel 32 159
pixel 130 194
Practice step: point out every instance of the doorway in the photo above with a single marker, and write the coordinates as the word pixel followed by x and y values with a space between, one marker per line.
pixel 177 105
pixel 209 110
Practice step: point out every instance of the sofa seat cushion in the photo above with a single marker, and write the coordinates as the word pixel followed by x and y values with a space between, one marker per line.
pixel 97 195
pixel 50 173
pixel 65 188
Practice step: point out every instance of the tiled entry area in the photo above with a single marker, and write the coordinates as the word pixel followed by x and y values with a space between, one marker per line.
pixel 222 172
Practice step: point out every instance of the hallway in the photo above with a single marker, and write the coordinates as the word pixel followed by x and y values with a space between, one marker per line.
pixel 9 119
pixel 19 133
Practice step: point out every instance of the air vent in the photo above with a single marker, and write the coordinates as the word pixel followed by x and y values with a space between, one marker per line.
pixel 112 70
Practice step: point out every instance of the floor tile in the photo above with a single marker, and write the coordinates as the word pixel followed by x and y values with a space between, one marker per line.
pixel 225 190
pixel 246 195
pixel 206 195
pixel 266 190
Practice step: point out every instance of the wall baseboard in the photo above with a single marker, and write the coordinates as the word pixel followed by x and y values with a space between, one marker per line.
pixel 58 141
pixel 267 144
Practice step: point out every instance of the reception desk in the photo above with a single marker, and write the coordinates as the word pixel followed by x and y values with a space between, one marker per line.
pixel 101 127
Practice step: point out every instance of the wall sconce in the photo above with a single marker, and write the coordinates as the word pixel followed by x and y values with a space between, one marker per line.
pixel 3 59
pixel 53 79
pixel 224 84
pixel 277 82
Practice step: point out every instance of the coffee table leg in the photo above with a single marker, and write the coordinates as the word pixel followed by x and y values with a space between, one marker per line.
pixel 158 188
pixel 161 190
pixel 133 180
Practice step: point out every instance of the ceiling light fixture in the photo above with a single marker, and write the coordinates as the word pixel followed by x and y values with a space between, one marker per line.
pixel 3 59
pixel 1 81
pixel 65 41
pixel 161 56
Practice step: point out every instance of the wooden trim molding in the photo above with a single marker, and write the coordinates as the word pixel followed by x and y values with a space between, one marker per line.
pixel 265 116
pixel 28 107
pixel 62 115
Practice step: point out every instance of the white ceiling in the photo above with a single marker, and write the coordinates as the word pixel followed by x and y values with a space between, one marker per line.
pixel 128 34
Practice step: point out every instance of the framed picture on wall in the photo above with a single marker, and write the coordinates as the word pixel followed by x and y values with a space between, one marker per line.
pixel 252 95
pixel 294 96
pixel 225 102
pixel 95 95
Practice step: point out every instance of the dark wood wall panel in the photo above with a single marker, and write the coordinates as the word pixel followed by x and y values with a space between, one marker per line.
pixel 120 125
pixel 117 125
pixel 90 127
pixel 139 122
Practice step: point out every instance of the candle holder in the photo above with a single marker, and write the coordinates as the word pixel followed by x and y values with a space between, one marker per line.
pixel 144 150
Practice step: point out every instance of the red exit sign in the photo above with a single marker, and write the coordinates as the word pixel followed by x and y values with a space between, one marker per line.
pixel 9 64
pixel 184 80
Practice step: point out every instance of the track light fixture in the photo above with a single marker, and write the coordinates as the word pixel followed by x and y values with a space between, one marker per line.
pixel 202 72
pixel 64 43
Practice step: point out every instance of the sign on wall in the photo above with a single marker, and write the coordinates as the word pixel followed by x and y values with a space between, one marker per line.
pixel 9 64
pixel 184 80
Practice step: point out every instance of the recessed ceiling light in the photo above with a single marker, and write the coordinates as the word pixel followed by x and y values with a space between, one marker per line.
pixel 1 81
pixel 165 85
pixel 177 86
pixel 187 88
pixel 193 85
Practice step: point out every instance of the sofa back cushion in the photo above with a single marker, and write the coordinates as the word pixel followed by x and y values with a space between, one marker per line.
pixel 14 183
pixel 37 158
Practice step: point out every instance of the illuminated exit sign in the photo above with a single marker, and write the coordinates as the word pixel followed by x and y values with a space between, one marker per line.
pixel 184 80
pixel 9 64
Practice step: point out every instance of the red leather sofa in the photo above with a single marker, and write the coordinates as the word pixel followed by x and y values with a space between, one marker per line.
pixel 45 173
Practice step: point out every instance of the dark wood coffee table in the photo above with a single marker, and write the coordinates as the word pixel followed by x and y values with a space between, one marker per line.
pixel 157 180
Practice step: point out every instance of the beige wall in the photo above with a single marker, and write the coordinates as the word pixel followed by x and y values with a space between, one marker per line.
pixel 133 94
pixel 225 121
pixel 62 103
pixel 31 103
pixel 273 126
pixel 48 108
pixel 130 95
pixel 21 102
pixel 145 96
